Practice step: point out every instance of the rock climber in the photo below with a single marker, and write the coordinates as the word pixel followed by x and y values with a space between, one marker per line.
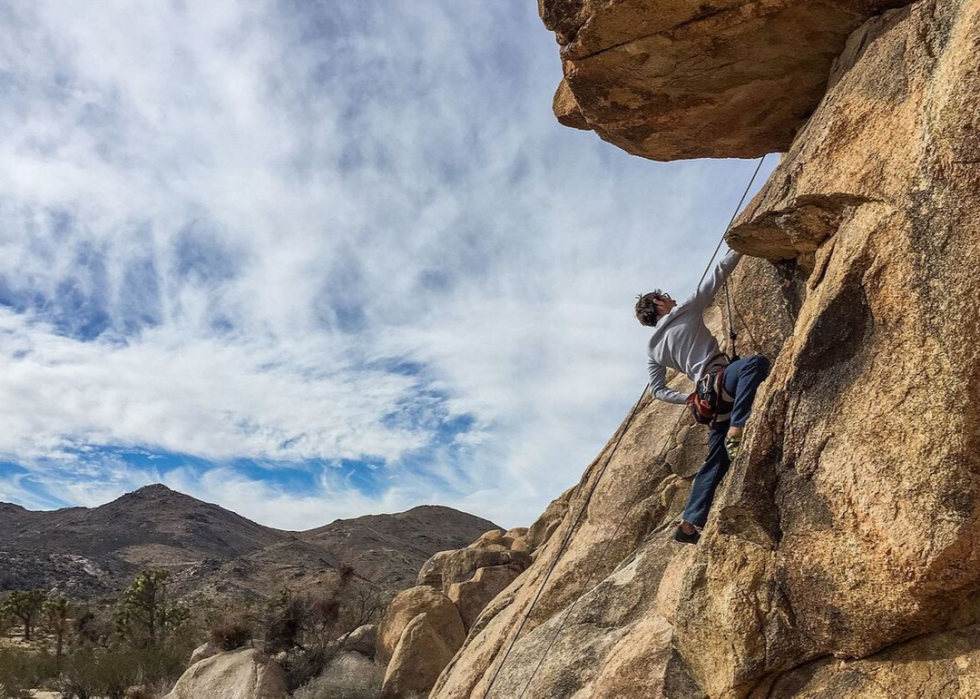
pixel 681 341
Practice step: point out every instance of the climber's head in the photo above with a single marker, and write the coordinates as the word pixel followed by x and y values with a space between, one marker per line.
pixel 653 306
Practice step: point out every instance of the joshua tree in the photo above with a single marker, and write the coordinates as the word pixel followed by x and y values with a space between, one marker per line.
pixel 146 609
pixel 57 611
pixel 25 606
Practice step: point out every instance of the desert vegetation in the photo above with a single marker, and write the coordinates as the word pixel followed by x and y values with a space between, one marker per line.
pixel 138 643
pixel 93 649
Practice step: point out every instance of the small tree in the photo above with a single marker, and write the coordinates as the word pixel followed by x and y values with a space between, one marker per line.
pixel 146 613
pixel 283 622
pixel 25 606
pixel 88 628
pixel 57 612
pixel 309 623
pixel 362 605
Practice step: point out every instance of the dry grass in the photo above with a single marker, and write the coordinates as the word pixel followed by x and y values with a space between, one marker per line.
pixel 349 676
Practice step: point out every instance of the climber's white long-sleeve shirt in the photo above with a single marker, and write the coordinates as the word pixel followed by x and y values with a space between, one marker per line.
pixel 682 341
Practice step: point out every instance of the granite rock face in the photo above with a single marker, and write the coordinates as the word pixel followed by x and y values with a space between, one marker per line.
pixel 841 557
pixel 672 79
pixel 854 518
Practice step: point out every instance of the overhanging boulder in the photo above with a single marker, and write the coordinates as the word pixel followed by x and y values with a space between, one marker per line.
pixel 674 79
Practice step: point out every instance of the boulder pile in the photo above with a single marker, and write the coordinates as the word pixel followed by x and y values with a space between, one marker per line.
pixel 426 625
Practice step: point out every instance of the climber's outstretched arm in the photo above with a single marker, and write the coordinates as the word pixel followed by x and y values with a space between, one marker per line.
pixel 658 385
pixel 702 297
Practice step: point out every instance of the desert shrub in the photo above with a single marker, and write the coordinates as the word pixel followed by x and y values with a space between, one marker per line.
pixel 110 673
pixel 231 632
pixel 347 676
pixel 306 626
pixel 92 625
pixel 303 666
pixel 97 673
pixel 362 605
pixel 283 623
pixel 22 669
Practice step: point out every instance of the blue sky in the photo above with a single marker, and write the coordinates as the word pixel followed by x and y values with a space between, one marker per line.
pixel 315 260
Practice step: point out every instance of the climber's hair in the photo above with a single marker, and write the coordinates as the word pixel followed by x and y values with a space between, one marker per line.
pixel 646 307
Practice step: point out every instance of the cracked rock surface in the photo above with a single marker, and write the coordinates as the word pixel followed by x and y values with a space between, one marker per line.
pixel 841 558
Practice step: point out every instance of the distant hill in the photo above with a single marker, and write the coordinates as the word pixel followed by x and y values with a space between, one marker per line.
pixel 390 549
pixel 211 551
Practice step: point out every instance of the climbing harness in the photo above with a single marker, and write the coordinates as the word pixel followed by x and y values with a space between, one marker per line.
pixel 710 402
pixel 588 497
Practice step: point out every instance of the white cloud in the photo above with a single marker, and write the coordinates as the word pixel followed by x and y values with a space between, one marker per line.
pixel 221 224
pixel 217 399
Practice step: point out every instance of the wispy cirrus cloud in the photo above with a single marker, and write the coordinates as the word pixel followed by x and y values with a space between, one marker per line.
pixel 348 245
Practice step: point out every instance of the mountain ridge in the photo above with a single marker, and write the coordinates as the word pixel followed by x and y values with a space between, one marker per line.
pixel 87 552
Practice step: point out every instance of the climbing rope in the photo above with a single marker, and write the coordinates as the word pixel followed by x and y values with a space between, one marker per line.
pixel 588 498
pixel 602 559
pixel 564 543
pixel 732 335
pixel 738 208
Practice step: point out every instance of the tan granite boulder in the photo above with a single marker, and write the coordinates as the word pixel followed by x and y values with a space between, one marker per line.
pixel 245 673
pixel 493 539
pixel 431 572
pixel 462 565
pixel 421 654
pixel 472 596
pixel 362 640
pixel 852 522
pixel 205 650
pixel 567 109
pixel 516 539
pixel 542 529
pixel 939 665
pixel 408 604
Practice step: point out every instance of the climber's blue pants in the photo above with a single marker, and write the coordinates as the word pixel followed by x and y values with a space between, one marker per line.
pixel 742 378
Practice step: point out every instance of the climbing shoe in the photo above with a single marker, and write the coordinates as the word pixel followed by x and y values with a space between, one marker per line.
pixel 691 538
pixel 733 445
